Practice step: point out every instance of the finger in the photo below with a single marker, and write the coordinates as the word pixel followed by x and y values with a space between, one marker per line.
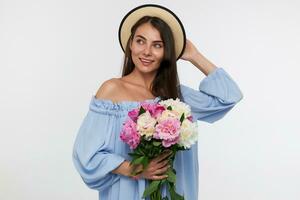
pixel 156 177
pixel 162 170
pixel 167 151
pixel 163 156
pixel 162 164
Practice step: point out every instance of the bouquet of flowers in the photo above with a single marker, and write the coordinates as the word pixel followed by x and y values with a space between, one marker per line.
pixel 153 128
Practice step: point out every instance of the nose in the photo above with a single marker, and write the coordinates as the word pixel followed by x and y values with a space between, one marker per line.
pixel 147 50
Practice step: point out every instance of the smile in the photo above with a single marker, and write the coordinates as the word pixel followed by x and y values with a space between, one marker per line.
pixel 146 62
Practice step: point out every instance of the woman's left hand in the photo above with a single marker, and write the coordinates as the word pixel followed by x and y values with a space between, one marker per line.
pixel 190 51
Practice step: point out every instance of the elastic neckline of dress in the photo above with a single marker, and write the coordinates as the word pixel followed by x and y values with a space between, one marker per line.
pixel 156 99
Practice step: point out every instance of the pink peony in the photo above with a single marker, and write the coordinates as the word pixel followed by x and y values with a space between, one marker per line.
pixel 154 109
pixel 168 131
pixel 129 134
pixel 133 114
pixel 190 118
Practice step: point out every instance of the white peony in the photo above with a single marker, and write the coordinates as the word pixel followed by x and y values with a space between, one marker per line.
pixel 146 124
pixel 167 114
pixel 188 133
pixel 178 106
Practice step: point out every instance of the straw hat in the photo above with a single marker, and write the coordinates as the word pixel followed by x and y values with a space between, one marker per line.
pixel 158 11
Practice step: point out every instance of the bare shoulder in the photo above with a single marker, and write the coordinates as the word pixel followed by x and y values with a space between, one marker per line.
pixel 109 89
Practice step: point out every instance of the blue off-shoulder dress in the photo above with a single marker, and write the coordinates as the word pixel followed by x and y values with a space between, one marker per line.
pixel 98 149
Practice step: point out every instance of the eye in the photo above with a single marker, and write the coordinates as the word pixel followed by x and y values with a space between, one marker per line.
pixel 158 45
pixel 139 41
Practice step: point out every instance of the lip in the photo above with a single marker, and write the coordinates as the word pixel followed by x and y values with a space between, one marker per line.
pixel 146 62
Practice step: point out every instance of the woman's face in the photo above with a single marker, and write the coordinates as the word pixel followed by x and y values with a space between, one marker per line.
pixel 147 48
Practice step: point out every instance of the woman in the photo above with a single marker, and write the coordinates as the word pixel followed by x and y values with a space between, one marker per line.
pixel 149 74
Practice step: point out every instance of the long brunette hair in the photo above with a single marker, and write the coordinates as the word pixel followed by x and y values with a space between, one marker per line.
pixel 166 82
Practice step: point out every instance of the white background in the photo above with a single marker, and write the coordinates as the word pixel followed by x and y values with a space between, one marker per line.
pixel 55 54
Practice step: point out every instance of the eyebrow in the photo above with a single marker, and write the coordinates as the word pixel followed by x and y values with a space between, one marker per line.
pixel 146 39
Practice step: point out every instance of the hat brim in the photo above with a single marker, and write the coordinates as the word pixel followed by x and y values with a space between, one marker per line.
pixel 158 11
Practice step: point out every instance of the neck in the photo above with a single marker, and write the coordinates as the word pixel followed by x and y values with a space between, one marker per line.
pixel 142 79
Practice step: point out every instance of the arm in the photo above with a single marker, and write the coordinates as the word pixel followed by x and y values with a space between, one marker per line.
pixel 217 92
pixel 155 169
pixel 192 55
pixel 93 153
pixel 124 169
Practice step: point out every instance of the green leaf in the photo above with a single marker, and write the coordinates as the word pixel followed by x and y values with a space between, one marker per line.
pixel 182 118
pixel 151 188
pixel 174 195
pixel 139 160
pixel 169 107
pixel 142 110
pixel 135 153
pixel 156 143
pixel 171 175
pixel 145 162
pixel 140 152
pixel 132 154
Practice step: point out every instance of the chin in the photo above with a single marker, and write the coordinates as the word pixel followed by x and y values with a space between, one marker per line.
pixel 146 69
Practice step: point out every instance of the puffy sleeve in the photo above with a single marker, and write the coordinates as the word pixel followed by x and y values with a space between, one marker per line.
pixel 93 151
pixel 217 94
